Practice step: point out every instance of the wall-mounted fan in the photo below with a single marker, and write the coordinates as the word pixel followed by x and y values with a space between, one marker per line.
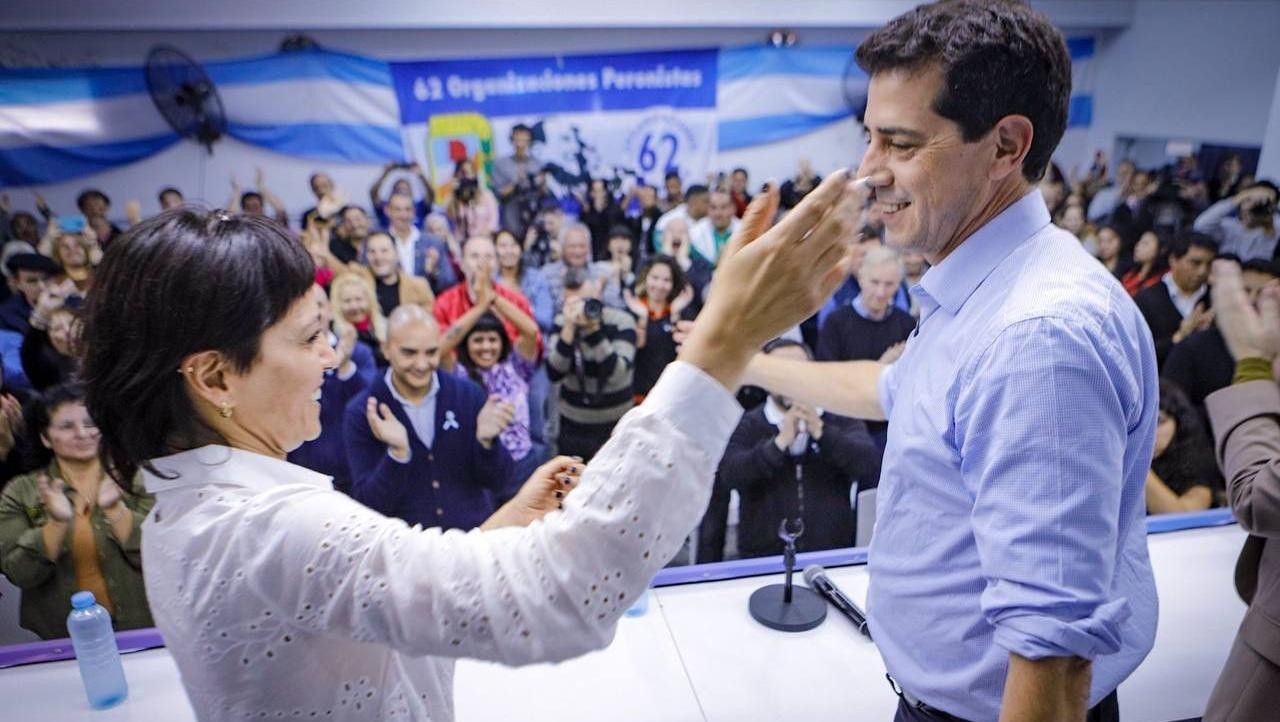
pixel 185 96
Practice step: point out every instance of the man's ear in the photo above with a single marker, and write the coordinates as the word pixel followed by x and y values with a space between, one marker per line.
pixel 1012 137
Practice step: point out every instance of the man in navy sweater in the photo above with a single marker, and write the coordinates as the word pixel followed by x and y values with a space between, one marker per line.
pixel 423 445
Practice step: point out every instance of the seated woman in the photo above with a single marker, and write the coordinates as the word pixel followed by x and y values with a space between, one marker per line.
pixel 1182 467
pixel 662 297
pixel 487 357
pixel 68 527
pixel 1150 261
pixel 278 595
pixel 357 305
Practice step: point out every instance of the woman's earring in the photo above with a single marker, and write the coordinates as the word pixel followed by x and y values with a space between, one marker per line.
pixel 225 410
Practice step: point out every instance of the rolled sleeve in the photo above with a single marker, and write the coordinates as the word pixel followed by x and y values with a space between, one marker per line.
pixel 1042 423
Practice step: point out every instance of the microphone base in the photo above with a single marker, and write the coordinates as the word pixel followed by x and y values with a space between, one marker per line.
pixel 807 608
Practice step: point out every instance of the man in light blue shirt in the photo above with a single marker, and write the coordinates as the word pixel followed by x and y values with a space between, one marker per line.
pixel 1009 568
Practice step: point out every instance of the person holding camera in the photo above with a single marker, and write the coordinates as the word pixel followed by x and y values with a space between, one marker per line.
pixel 592 359
pixel 472 209
pixel 513 179
pixel 1246 224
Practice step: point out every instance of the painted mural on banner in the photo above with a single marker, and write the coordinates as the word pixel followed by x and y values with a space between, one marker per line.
pixel 621 117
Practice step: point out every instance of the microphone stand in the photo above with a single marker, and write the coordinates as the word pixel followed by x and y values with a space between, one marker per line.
pixel 785 607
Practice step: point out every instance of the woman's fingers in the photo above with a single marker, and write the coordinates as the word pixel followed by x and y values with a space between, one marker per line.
pixel 797 224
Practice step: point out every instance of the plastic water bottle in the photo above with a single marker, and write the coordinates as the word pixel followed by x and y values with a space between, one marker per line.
pixel 96 651
pixel 640 607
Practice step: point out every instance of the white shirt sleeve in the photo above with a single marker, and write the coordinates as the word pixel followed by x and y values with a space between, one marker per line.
pixel 549 591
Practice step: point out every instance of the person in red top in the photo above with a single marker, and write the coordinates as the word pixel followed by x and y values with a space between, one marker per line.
pixel 1150 261
pixel 479 260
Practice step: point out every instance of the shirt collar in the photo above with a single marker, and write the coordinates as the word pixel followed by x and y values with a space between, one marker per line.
pixel 1175 292
pixel 860 308
pixel 431 395
pixel 951 282
pixel 412 238
pixel 226 465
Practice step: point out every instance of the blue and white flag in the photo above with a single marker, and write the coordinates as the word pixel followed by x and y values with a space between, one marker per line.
pixel 63 123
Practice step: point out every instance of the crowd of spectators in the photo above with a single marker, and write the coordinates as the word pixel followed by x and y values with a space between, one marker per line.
pixel 482 326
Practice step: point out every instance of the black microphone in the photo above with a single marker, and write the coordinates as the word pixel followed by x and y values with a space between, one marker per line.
pixel 816 577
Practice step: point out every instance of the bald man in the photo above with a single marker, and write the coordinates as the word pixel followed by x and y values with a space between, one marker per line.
pixel 422 445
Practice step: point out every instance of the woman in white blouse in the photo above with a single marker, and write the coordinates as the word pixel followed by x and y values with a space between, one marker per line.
pixel 278 596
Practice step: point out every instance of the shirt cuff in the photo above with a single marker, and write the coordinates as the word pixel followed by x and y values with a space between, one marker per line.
pixel 695 402
pixel 1036 636
pixel 398 461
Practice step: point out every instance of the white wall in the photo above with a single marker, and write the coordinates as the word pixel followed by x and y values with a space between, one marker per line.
pixel 1199 69
pixel 1196 69
pixel 1269 163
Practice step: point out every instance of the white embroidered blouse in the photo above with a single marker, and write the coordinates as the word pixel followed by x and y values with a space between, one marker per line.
pixel 280 597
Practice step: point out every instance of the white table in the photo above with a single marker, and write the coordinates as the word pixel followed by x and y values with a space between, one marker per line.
pixel 697 655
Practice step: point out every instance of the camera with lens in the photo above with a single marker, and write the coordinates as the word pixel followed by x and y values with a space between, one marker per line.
pixel 467 188
pixel 593 310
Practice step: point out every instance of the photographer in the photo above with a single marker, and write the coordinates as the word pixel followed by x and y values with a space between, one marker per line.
pixel 1251 233
pixel 513 178
pixel 592 358
pixel 472 209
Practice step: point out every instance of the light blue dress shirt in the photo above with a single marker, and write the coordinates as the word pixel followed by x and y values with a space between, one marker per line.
pixel 1010 516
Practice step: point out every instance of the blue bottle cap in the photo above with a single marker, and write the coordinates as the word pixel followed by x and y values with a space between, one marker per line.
pixel 82 600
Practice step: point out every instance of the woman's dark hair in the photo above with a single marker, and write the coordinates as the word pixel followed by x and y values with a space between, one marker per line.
pixel 678 279
pixel 487 322
pixel 179 283
pixel 1163 246
pixel 1188 461
pixel 998 58
pixel 38 415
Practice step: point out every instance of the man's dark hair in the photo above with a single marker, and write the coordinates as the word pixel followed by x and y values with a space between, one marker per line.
pixel 696 189
pixel 249 196
pixel 1186 240
pixel 1266 184
pixel 215 282
pixel 351 207
pixel 621 231
pixel 311 179
pixel 166 191
pixel 88 193
pixel 743 171
pixel 521 128
pixel 998 58
pixel 671 174
pixel 1262 265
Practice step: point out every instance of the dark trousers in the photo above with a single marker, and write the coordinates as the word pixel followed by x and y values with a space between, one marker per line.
pixel 1108 710
pixel 583 440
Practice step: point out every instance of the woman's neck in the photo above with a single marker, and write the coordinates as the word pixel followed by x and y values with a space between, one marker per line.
pixel 82 475
pixel 511 275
